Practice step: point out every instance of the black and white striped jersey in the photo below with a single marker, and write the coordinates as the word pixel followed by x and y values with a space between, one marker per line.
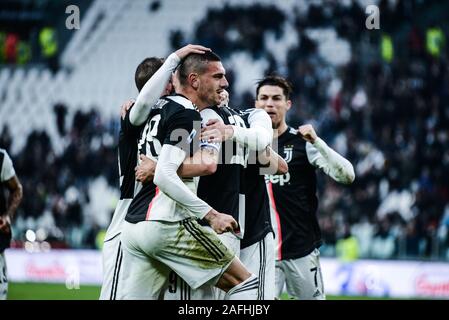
pixel 127 161
pixel 294 201
pixel 257 208
pixel 222 190
pixel 174 120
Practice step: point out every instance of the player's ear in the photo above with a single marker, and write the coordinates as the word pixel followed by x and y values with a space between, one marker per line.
pixel 289 104
pixel 194 80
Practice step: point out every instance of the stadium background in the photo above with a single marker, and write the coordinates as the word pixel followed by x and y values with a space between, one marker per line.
pixel 379 97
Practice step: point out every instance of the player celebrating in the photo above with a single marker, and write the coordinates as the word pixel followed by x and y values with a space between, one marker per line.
pixel 257 247
pixel 293 195
pixel 162 232
pixel 152 80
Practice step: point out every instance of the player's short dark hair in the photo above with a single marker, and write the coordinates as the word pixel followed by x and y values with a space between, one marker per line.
pixel 278 81
pixel 146 69
pixel 195 63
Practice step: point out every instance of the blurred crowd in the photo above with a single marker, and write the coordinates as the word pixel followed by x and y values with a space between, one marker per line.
pixel 60 190
pixel 385 110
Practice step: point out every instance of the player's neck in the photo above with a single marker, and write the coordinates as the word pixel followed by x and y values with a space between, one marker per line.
pixel 280 130
pixel 193 97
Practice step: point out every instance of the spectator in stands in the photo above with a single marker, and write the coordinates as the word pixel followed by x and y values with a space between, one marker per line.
pixel 49 47
pixel 61 112
pixel 347 248
pixel 11 43
pixel 435 41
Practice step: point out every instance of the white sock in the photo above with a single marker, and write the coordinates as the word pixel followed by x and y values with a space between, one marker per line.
pixel 247 290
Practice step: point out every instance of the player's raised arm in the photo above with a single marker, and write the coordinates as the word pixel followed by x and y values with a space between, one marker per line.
pixel 156 85
pixel 325 158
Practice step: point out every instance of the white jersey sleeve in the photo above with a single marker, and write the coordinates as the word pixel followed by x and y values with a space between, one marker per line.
pixel 259 135
pixel 152 90
pixel 168 181
pixel 7 169
pixel 206 115
pixel 334 165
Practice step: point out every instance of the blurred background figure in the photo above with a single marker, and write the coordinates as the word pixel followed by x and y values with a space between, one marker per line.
pixel 10 197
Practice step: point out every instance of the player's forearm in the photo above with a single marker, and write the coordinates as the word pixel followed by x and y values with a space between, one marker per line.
pixel 282 165
pixel 255 138
pixel 169 182
pixel 274 163
pixel 203 163
pixel 152 90
pixel 15 197
pixel 336 166
pixel 259 135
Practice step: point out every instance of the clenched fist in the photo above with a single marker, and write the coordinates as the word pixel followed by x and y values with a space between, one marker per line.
pixel 145 170
pixel 308 133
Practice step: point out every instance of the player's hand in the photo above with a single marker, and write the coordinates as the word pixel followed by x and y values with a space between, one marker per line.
pixel 221 222
pixel 216 131
pixel 125 107
pixel 5 224
pixel 224 95
pixel 191 48
pixel 145 170
pixel 308 133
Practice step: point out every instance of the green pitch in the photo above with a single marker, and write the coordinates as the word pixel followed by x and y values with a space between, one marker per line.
pixel 48 291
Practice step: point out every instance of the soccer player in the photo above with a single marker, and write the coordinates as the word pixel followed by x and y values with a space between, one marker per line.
pixel 161 231
pixel 152 80
pixel 10 197
pixel 293 195
pixel 223 189
pixel 257 245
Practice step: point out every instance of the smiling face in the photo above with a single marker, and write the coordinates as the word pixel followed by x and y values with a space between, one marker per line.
pixel 211 83
pixel 272 99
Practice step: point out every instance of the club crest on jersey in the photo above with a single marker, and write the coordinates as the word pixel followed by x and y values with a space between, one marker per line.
pixel 288 151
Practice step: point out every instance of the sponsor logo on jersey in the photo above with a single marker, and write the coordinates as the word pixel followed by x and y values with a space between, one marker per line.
pixel 278 179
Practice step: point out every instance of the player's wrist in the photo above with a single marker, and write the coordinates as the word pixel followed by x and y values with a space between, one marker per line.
pixel 316 140
pixel 211 215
